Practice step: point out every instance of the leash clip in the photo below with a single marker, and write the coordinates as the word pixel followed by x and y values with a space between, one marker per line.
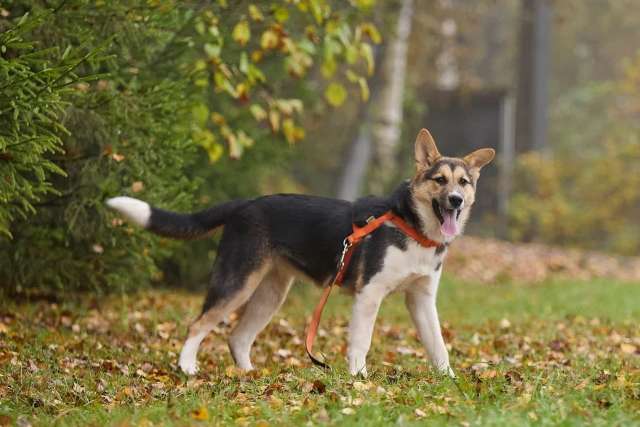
pixel 345 248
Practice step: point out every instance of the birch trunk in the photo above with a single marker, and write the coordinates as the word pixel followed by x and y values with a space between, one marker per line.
pixel 387 127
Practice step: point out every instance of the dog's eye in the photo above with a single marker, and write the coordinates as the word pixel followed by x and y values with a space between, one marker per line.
pixel 464 181
pixel 440 180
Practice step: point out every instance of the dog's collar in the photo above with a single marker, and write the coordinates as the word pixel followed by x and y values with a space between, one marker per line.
pixel 349 244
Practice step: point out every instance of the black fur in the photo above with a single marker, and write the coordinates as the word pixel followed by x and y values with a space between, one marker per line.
pixel 306 231
pixel 191 226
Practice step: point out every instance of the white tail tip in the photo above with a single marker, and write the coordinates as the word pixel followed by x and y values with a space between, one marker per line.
pixel 134 210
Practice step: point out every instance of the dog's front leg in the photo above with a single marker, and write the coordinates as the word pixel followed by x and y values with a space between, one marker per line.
pixel 421 302
pixel 363 317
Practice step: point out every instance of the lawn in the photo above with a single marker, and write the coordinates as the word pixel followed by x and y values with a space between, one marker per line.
pixel 561 353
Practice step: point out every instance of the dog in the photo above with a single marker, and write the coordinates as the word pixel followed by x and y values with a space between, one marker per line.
pixel 269 241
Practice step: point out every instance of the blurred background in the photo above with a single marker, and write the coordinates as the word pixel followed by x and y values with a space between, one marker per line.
pixel 189 103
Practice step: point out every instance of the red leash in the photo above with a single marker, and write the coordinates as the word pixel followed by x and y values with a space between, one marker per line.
pixel 349 245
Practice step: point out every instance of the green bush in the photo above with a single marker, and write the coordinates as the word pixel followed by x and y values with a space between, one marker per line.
pixel 31 107
pixel 585 192
pixel 124 130
pixel 149 99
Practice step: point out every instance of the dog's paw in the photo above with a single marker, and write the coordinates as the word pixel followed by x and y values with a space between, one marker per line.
pixel 189 367
pixel 362 372
pixel 450 372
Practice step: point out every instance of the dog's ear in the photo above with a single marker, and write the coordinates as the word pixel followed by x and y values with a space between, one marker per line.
pixel 426 151
pixel 480 158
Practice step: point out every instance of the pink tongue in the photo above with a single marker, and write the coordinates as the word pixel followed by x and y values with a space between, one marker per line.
pixel 449 227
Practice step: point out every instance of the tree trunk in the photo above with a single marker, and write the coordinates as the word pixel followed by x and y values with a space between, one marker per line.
pixel 533 76
pixel 386 128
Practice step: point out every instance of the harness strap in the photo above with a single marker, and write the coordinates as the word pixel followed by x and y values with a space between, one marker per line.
pixel 350 243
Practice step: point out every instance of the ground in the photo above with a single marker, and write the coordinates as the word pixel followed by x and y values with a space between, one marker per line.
pixel 561 353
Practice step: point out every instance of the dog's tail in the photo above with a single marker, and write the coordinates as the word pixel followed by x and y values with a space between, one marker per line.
pixel 173 224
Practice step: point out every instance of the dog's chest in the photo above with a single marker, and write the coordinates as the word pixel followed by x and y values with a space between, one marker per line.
pixel 403 266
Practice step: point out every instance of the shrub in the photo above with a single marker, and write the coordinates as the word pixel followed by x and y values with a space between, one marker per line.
pixel 166 88
pixel 124 128
pixel 585 192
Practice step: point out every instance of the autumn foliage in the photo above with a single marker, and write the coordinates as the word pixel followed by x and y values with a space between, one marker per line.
pixel 107 98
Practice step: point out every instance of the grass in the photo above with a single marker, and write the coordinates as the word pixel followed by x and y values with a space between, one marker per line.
pixel 559 353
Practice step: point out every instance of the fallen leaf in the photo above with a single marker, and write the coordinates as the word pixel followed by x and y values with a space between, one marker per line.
pixel 117 157
pixel 137 186
pixel 318 387
pixel 488 374
pixel 628 348
pixel 348 411
pixel 201 414
pixel 420 413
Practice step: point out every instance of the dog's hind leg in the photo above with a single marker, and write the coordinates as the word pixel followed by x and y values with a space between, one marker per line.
pixel 257 314
pixel 229 291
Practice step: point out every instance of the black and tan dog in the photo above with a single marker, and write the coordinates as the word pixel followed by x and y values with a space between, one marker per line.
pixel 270 240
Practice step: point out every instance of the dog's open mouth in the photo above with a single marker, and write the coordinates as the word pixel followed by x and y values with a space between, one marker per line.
pixel 448 219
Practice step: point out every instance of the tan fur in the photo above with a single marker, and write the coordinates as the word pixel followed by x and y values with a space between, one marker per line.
pixel 216 314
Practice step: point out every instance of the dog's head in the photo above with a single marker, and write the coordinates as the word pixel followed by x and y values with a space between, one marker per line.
pixel 444 188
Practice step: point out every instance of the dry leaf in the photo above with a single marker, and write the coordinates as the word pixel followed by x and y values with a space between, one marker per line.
pixel 201 414
pixel 137 186
pixel 117 157
pixel 628 348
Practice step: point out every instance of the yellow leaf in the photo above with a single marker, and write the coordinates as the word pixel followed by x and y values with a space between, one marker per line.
pixel 269 40
pixel 367 52
pixel 244 139
pixel 628 348
pixel 218 119
pixel 241 32
pixel 371 31
pixel 335 94
pixel 364 4
pixel 281 14
pixel 288 129
pixel 364 88
pixel 214 151
pixel 255 13
pixel 256 56
pixel 258 112
pixel 274 120
pixel 328 67
pixel 201 414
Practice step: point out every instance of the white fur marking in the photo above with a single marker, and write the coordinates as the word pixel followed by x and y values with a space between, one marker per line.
pixel 188 362
pixel 412 270
pixel 135 210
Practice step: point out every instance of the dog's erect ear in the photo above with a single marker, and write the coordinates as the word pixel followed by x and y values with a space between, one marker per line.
pixel 480 157
pixel 426 150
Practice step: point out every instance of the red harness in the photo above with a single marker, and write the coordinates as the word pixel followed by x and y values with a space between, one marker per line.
pixel 350 243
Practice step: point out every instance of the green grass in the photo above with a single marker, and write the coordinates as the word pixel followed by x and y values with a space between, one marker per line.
pixel 553 354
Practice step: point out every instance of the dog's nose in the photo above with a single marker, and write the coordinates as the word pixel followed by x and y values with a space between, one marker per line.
pixel 455 200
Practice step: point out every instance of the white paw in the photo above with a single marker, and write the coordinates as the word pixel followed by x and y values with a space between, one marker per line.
pixel 445 369
pixel 246 368
pixel 189 367
pixel 362 371
pixel 450 372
